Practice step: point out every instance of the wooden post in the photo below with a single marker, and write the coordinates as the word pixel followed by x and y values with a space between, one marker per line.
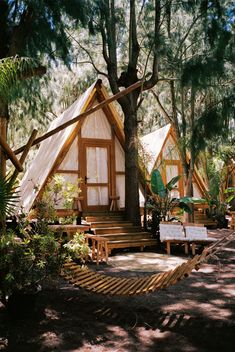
pixel 10 154
pixel 3 134
pixel 25 152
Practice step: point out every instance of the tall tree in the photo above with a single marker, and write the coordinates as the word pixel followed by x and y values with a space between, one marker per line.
pixel 116 26
pixel 178 44
pixel 199 100
pixel 34 28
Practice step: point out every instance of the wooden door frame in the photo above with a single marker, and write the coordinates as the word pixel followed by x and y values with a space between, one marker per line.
pixel 180 169
pixel 101 143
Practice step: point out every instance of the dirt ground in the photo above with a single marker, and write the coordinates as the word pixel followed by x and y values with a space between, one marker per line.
pixel 195 315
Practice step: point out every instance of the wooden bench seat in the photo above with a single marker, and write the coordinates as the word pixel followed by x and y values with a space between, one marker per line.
pixel 172 232
pixel 197 234
pixel 142 243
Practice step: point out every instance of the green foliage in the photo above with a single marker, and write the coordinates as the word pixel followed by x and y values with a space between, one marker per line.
pixel 34 258
pixel 161 201
pixel 157 184
pixel 12 71
pixel 77 247
pixel 57 192
pixel 25 263
pixel 41 26
pixel 8 197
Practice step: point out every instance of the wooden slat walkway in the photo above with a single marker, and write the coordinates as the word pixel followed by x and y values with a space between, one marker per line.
pixel 113 285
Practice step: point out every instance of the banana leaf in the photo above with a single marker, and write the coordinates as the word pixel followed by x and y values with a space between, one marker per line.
pixel 157 184
pixel 170 185
pixel 230 190
pixel 185 207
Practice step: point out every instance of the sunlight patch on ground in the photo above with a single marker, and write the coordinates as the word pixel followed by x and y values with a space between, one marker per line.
pixel 51 340
pixel 211 310
pixel 145 261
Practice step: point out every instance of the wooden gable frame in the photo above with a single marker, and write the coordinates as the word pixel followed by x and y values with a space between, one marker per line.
pixel 160 159
pixel 98 93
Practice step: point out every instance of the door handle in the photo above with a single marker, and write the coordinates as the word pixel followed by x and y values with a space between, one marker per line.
pixel 86 178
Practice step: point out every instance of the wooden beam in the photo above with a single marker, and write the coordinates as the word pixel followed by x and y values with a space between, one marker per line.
pixel 25 152
pixel 10 154
pixel 84 114
pixel 3 129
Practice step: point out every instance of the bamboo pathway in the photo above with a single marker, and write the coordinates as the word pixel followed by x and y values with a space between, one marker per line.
pixel 123 286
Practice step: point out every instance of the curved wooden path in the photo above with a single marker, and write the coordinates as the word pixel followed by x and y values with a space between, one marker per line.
pixel 123 286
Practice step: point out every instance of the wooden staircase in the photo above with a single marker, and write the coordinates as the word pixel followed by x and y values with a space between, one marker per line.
pixel 119 233
pixel 200 217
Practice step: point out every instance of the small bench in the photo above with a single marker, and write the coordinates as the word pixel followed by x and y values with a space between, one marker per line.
pixel 99 248
pixel 197 234
pixel 173 232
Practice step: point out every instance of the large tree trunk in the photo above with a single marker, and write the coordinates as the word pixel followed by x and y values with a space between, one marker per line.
pixel 189 193
pixel 131 163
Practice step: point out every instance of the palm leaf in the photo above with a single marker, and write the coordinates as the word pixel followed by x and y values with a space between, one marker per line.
pixel 9 197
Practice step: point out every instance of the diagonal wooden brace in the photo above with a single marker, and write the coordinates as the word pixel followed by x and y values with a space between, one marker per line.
pixel 11 154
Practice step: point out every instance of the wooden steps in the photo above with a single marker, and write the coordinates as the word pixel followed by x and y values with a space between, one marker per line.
pixel 119 229
pixel 104 218
pixel 119 233
pixel 202 218
pixel 109 224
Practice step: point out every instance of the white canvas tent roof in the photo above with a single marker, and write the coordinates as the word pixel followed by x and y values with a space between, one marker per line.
pixel 153 143
pixel 48 152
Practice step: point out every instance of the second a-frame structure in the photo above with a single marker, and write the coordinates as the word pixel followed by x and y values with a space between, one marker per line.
pixel 163 153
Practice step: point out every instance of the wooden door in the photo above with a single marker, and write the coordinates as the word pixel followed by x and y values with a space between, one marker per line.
pixel 96 175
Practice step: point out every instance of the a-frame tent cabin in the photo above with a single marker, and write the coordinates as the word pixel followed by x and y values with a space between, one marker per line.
pixel 91 149
pixel 163 153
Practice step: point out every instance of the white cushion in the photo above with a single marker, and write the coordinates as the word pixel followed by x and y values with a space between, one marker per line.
pixel 196 233
pixel 171 232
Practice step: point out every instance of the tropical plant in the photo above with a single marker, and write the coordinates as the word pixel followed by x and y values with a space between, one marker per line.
pixel 77 247
pixel 8 198
pixel 218 208
pixel 34 259
pixel 57 192
pixel 161 203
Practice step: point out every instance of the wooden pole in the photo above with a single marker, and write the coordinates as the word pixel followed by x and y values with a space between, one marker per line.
pixel 82 115
pixel 3 123
pixel 10 154
pixel 25 152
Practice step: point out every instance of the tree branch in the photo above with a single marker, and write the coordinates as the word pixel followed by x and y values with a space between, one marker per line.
pixel 154 77
pixel 161 108
pixel 88 54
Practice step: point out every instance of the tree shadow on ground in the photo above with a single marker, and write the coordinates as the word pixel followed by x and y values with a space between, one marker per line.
pixel 197 314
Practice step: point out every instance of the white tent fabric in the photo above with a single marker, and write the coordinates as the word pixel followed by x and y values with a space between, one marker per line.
pixel 153 143
pixel 96 126
pixel 48 152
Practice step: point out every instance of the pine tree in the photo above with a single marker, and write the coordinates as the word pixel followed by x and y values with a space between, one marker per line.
pixel 35 28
